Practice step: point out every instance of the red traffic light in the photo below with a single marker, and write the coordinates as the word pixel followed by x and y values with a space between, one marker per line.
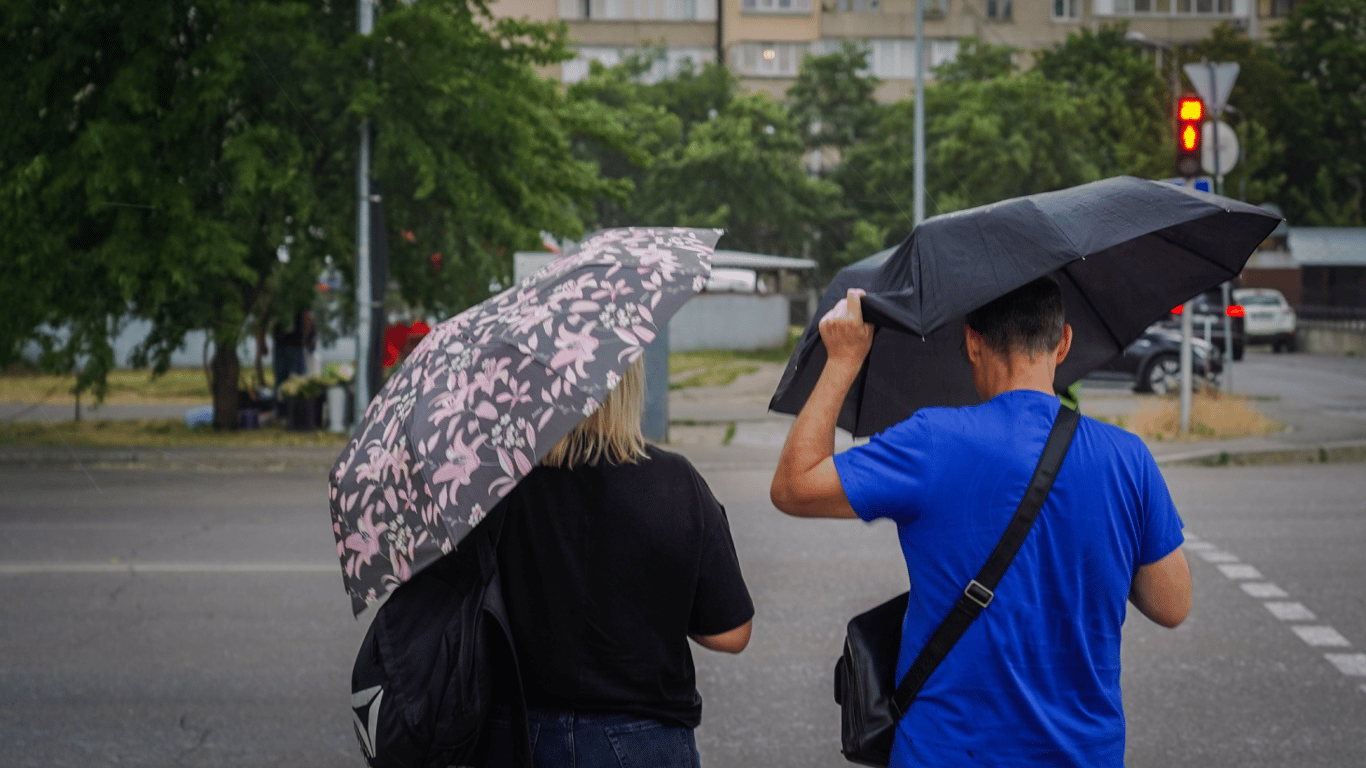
pixel 1190 114
pixel 1190 138
pixel 1191 109
pixel 1235 310
pixel 1178 309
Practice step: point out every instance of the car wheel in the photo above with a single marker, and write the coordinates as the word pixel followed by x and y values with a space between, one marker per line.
pixel 1163 375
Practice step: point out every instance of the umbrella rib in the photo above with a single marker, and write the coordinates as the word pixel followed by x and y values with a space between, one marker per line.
pixel 1104 323
pixel 1194 253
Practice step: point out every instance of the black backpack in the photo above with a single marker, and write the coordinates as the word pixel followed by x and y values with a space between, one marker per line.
pixel 424 679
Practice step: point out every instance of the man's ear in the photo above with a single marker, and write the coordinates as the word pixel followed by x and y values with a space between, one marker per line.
pixel 1064 345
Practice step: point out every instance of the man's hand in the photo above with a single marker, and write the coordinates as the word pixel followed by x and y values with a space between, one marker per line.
pixel 806 483
pixel 847 338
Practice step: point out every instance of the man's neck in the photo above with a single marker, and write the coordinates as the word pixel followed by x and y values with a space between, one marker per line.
pixel 1017 371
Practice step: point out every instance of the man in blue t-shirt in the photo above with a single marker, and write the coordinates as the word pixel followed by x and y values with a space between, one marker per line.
pixel 1035 679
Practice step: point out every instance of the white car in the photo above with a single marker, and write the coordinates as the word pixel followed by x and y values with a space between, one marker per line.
pixel 1268 317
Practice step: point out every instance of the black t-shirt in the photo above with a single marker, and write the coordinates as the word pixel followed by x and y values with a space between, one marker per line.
pixel 606 570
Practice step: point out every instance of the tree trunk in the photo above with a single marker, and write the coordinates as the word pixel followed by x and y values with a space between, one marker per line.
pixel 225 369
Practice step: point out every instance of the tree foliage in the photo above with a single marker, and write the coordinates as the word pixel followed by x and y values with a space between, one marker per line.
pixel 832 100
pixel 193 164
pixel 1323 45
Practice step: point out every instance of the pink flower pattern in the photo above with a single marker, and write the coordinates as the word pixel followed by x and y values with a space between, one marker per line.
pixel 489 391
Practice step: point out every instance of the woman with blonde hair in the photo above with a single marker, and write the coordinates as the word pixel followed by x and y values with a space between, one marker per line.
pixel 614 552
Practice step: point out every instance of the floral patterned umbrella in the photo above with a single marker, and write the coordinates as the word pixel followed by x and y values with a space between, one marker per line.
pixel 490 391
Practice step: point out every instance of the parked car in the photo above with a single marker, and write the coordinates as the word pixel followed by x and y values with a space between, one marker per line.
pixel 1153 361
pixel 1268 317
pixel 1207 321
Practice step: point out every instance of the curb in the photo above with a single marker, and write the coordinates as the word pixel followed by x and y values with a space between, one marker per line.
pixel 153 459
pixel 1318 453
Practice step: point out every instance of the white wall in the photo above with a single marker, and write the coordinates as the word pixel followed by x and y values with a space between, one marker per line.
pixel 730 321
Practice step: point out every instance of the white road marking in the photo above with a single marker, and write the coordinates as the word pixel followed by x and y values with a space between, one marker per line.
pixel 1263 589
pixel 1290 611
pixel 1218 556
pixel 24 569
pixel 1351 664
pixel 1239 571
pixel 1320 636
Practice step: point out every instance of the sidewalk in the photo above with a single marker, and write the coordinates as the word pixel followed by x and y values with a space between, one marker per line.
pixel 703 416
pixel 731 427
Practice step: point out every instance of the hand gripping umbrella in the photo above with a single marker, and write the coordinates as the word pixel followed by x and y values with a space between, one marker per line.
pixel 1125 251
pixel 490 391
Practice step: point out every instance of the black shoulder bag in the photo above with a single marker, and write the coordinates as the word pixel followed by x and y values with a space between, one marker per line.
pixel 871 702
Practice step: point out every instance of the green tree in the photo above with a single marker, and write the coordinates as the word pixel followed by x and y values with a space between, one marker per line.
pixel 740 170
pixel 1323 45
pixel 832 100
pixel 1131 133
pixel 977 60
pixel 985 140
pixel 164 157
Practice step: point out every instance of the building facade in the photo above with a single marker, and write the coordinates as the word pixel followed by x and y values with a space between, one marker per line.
pixel 763 41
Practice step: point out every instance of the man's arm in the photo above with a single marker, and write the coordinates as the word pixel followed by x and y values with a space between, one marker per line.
pixel 1162 590
pixel 805 483
pixel 731 641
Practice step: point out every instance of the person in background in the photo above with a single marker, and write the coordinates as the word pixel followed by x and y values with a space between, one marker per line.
pixel 1035 680
pixel 613 554
pixel 291 345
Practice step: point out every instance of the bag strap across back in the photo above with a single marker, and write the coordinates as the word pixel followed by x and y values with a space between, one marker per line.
pixel 981 590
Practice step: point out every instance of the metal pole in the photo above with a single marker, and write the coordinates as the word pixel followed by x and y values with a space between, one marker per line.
pixel 1218 172
pixel 1228 340
pixel 1186 367
pixel 919 178
pixel 655 422
pixel 364 387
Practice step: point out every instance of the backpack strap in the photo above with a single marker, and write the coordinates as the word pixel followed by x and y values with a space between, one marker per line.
pixel 497 610
pixel 979 592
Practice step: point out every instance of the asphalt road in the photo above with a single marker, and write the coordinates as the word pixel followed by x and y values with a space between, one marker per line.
pixel 229 642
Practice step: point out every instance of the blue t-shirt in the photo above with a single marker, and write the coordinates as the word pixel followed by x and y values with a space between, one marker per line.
pixel 1035 680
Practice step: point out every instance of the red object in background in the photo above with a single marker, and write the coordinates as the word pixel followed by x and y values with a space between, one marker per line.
pixel 395 336
pixel 400 339
pixel 435 259
pixel 1235 310
pixel 1178 309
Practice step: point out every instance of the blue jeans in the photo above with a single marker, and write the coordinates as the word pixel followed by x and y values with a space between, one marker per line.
pixel 567 740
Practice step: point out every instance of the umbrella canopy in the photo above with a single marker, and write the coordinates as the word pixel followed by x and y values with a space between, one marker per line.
pixel 490 391
pixel 1124 250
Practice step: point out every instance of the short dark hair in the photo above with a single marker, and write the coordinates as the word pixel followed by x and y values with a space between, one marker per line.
pixel 1029 319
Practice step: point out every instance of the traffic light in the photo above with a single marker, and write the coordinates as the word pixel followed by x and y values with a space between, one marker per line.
pixel 1190 118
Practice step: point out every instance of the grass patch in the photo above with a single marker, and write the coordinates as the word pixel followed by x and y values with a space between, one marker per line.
pixel 1213 416
pixel 719 367
pixel 126 386
pixel 715 376
pixel 159 433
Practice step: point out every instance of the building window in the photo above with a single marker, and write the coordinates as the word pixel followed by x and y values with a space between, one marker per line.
pixel 674 59
pixel 776 6
pixel 767 59
pixel 614 10
pixel 1282 8
pixel 1066 10
pixel 858 6
pixel 999 10
pixel 1171 7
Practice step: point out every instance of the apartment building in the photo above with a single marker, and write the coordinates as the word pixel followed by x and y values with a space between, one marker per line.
pixel 763 41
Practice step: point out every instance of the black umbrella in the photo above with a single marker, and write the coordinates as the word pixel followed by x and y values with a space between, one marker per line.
pixel 1125 251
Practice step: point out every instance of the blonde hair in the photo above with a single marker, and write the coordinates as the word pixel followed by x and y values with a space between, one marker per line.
pixel 612 432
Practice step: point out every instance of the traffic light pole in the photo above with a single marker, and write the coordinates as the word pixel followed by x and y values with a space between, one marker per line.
pixel 366 23
pixel 919 160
